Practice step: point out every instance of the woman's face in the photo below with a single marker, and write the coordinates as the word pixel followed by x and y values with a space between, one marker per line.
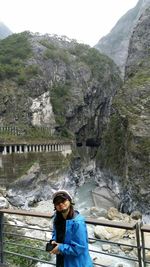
pixel 63 205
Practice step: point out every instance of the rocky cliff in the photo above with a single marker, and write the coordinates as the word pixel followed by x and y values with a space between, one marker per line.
pixel 50 81
pixel 116 43
pixel 4 31
pixel 126 143
pixel 53 82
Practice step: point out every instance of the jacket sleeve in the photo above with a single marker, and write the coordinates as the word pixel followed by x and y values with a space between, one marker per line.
pixel 53 233
pixel 78 241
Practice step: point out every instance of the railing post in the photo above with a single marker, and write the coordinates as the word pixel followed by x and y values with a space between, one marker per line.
pixel 1 238
pixel 143 248
pixel 138 244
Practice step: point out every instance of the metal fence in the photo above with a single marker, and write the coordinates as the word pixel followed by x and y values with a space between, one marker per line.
pixel 145 236
pixel 17 243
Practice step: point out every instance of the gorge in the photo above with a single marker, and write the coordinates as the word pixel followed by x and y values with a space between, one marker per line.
pixel 51 82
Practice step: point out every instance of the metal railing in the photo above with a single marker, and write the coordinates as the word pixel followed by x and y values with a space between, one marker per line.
pixel 11 239
pixel 145 247
pixel 120 225
pixel 15 243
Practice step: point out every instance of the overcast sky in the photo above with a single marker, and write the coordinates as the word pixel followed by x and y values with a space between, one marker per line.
pixel 84 20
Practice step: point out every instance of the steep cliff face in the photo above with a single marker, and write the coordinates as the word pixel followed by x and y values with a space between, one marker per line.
pixel 56 83
pixel 4 31
pixel 116 43
pixel 127 154
pixel 50 81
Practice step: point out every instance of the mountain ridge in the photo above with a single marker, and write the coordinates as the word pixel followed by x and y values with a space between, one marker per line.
pixel 115 43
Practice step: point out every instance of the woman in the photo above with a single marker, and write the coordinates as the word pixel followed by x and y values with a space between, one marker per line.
pixel 69 234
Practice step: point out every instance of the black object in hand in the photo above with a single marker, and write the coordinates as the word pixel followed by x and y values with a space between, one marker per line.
pixel 50 246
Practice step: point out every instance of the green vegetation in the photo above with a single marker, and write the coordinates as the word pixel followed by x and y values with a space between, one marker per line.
pixel 95 61
pixel 38 133
pixel 20 163
pixel 16 242
pixel 144 146
pixel 79 49
pixel 93 58
pixel 47 44
pixel 90 56
pixel 27 134
pixel 60 94
pixel 14 50
pixel 140 78
pixel 112 153
pixel 28 248
pixel 26 73
pixel 55 53
pixel 133 100
pixel 140 150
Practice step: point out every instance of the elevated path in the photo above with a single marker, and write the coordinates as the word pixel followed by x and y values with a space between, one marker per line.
pixel 64 147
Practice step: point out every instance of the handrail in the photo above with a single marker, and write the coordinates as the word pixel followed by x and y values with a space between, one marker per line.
pixel 3 233
pixel 134 226
pixel 26 213
pixel 121 225
pixel 145 229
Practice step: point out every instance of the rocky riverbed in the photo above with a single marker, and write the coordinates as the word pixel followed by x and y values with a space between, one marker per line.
pixel 100 232
pixel 94 197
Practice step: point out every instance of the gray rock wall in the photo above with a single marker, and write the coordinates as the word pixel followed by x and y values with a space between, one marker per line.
pixel 116 43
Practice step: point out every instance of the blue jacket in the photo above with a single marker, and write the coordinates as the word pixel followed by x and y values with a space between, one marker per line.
pixel 75 247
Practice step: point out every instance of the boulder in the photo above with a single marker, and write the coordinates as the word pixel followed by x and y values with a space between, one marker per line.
pixel 136 215
pixel 114 214
pixel 108 233
pixel 4 204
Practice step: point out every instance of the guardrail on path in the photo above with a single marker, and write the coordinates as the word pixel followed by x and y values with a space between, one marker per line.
pixel 32 248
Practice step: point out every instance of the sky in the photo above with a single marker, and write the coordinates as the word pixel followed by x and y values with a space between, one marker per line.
pixel 84 20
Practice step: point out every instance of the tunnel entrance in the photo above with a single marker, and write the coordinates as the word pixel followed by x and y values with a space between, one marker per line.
pixel 1 149
pixel 79 144
pixel 92 142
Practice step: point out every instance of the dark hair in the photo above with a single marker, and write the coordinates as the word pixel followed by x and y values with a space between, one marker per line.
pixel 60 224
pixel 70 215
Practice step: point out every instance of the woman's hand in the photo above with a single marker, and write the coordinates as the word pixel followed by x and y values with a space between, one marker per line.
pixel 54 242
pixel 55 249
